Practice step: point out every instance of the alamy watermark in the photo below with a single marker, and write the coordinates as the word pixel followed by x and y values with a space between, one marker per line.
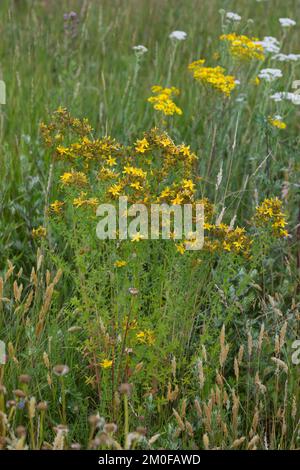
pixel 158 221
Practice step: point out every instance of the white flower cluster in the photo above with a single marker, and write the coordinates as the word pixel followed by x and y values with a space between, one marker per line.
pixel 287 22
pixel 270 44
pixel 233 16
pixel 286 95
pixel 270 74
pixel 140 50
pixel 178 35
pixel 286 57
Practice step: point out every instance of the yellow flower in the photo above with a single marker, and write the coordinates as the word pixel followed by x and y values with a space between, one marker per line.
pixel 56 207
pixel 120 263
pixel 244 47
pixel 81 201
pixel 134 171
pixel 270 211
pixel 115 190
pixel 74 177
pixel 256 81
pixel 162 101
pixel 177 200
pixel 180 248
pixel 189 185
pixel 277 122
pixel 39 232
pixel 141 146
pixel 106 364
pixel 213 76
pixel 146 337
pixel 136 185
pixel 137 237
pixel 62 150
pixel 111 161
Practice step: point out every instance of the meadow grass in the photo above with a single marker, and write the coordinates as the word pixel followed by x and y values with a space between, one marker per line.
pixel 212 365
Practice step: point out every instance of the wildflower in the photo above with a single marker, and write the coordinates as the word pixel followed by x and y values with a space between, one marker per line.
pixel 120 263
pixel 137 237
pixel 287 22
pixel 136 185
pixel 133 291
pixel 134 171
pixel 269 44
pixel 56 207
pixel 106 174
pixel 270 74
pixel 74 177
pixel 270 211
pixel 140 49
pixel 106 364
pixel 284 95
pixel 61 370
pixel 81 201
pixel 213 76
pixel 162 101
pixel 189 185
pixel 177 200
pixel 115 190
pixel 111 161
pixel 39 232
pixel 178 35
pixel 287 57
pixel 62 151
pixel 145 337
pixel 244 47
pixel 233 16
pixel 277 121
pixel 141 146
pixel 180 248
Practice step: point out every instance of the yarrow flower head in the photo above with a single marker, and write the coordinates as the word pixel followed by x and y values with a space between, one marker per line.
pixel 286 95
pixel 270 74
pixel 178 35
pixel 286 57
pixel 243 47
pixel 269 44
pixel 162 100
pixel 213 76
pixel 233 16
pixel 287 22
pixel 140 49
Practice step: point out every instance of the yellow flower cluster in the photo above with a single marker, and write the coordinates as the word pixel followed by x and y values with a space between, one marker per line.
pixel 39 232
pixel 278 123
pixel 270 212
pixel 146 337
pixel 213 76
pixel 76 178
pixel 61 120
pixel 83 201
pixel 244 47
pixel 106 364
pixel 152 170
pixel 222 237
pixel 56 207
pixel 162 100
